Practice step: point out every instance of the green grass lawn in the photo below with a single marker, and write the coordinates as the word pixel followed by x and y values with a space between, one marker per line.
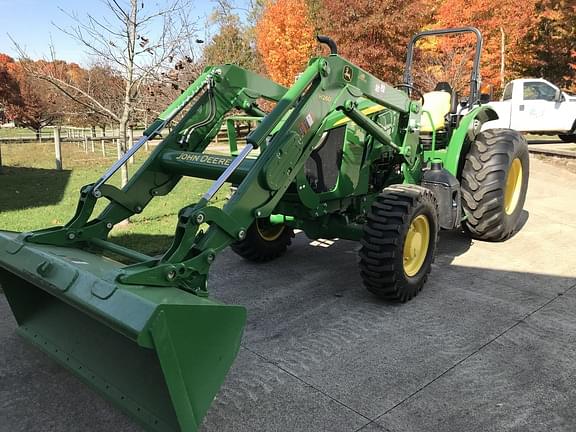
pixel 33 195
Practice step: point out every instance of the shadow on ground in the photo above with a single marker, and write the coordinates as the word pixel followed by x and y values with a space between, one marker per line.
pixel 22 187
pixel 488 345
pixel 320 353
pixel 452 244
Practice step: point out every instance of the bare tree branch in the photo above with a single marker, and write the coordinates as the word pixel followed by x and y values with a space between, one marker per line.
pixel 139 45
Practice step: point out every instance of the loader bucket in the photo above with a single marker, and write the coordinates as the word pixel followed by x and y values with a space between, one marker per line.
pixel 158 353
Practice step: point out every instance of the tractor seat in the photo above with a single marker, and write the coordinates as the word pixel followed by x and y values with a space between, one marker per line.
pixel 439 104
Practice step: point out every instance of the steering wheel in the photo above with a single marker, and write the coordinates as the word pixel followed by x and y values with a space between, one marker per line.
pixel 411 89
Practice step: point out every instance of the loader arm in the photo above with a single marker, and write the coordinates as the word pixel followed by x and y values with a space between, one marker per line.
pixel 217 91
pixel 328 84
pixel 134 344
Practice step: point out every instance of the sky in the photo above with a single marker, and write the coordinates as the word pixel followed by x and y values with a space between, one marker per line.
pixel 31 23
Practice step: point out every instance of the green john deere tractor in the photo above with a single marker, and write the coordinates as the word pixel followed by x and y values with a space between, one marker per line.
pixel 342 154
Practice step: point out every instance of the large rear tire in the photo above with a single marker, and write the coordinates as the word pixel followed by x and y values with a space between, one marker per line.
pixel 399 242
pixel 494 184
pixel 264 241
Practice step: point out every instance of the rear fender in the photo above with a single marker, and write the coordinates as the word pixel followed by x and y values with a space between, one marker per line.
pixel 470 125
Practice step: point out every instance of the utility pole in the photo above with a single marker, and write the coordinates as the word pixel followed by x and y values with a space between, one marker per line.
pixel 502 56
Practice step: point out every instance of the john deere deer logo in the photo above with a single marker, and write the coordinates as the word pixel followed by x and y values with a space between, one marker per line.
pixel 347 73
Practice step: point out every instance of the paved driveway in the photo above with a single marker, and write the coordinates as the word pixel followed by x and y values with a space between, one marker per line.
pixel 489 345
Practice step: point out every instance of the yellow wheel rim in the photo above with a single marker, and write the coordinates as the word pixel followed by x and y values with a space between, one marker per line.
pixel 416 245
pixel 269 232
pixel 513 186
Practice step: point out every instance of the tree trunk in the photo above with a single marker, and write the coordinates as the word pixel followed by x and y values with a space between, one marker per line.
pixel 128 91
pixel 131 141
pixel 502 57
pixel 146 144
pixel 37 131
pixel 122 148
pixel 1 159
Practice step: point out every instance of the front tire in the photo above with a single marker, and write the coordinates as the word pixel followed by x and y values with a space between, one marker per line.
pixel 399 242
pixel 264 241
pixel 494 184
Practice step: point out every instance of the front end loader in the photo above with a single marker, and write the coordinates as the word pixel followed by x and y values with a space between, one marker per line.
pixel 342 154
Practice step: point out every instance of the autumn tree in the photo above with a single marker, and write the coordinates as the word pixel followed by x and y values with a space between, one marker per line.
pixel 231 43
pixel 374 35
pixel 139 42
pixel 9 89
pixel 285 39
pixel 315 8
pixel 573 69
pixel 552 42
pixel 38 104
pixel 69 112
pixel 504 26
pixel 103 83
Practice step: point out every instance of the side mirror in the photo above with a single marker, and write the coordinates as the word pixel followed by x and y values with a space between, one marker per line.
pixel 486 91
pixel 558 96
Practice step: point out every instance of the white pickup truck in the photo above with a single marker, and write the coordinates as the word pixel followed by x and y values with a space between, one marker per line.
pixel 536 106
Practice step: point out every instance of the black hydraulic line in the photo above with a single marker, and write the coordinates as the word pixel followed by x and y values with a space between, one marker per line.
pixel 211 115
pixel 328 41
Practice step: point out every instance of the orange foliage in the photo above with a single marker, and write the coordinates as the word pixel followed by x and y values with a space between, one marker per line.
pixel 9 90
pixel 491 17
pixel 285 39
pixel 374 34
pixel 75 73
pixel 33 102
pixel 37 103
pixel 4 58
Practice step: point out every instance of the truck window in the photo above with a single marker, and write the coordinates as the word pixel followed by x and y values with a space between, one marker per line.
pixel 507 92
pixel 538 91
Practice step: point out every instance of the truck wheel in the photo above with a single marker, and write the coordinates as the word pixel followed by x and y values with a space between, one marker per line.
pixel 494 184
pixel 568 138
pixel 264 241
pixel 399 242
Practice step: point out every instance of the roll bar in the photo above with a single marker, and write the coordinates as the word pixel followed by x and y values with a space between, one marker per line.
pixel 475 75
